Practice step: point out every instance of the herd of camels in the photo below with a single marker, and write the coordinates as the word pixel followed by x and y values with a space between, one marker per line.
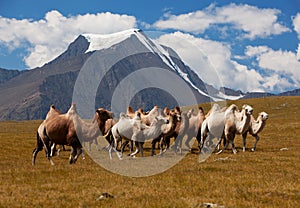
pixel 136 127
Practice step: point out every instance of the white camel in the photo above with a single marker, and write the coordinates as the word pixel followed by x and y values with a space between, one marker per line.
pixel 255 127
pixel 212 127
pixel 146 118
pixel 133 129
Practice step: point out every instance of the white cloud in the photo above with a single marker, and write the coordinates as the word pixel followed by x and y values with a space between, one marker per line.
pixel 50 36
pixel 283 66
pixel 298 52
pixel 212 62
pixel 296 23
pixel 252 21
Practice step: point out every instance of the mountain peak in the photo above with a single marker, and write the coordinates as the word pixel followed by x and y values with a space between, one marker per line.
pixel 104 41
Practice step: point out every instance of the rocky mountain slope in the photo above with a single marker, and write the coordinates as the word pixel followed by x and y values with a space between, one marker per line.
pixel 28 94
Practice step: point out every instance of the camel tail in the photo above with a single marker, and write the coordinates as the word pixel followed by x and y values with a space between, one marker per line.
pixel 39 147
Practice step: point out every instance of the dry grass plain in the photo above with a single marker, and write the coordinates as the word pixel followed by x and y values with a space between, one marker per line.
pixel 269 177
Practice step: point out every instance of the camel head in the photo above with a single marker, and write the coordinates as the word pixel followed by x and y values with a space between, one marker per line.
pixel 159 120
pixel 263 116
pixel 248 109
pixel 104 114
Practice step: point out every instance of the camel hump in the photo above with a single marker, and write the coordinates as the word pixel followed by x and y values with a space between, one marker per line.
pixel 232 108
pixel 129 110
pixel 72 109
pixel 177 109
pixel 166 111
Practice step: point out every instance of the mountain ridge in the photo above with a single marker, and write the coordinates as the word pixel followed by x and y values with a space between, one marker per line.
pixel 28 94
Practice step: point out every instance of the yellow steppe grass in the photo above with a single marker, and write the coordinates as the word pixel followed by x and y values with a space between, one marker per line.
pixel 269 177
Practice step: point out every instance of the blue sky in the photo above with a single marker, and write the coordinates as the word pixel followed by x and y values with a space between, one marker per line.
pixel 253 44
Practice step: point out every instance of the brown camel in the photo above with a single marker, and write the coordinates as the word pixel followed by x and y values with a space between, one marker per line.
pixel 61 129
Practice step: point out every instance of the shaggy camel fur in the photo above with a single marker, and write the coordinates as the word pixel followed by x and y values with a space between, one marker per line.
pixel 58 129
pixel 255 127
pixel 105 121
pixel 236 122
pixel 40 134
pixel 168 130
pixel 146 118
pixel 213 126
pixel 181 130
pixel 195 123
pixel 133 129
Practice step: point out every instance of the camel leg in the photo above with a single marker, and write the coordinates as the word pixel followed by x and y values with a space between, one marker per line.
pixel 233 147
pixel 78 152
pixel 39 147
pixel 153 143
pixel 58 151
pixel 53 149
pixel 187 142
pixel 244 141
pixel 178 144
pixel 89 146
pixel 124 144
pixel 82 153
pixel 163 145
pixel 97 144
pixel 72 155
pixel 137 149
pixel 141 148
pixel 224 148
pixel 254 146
pixel 48 151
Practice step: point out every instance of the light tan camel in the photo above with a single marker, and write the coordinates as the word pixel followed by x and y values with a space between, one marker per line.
pixel 146 118
pixel 135 130
pixel 255 127
pixel 168 130
pixel 236 122
pixel 181 130
pixel 194 130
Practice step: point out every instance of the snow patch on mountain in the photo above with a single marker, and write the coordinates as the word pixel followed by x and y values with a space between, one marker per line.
pixel 104 41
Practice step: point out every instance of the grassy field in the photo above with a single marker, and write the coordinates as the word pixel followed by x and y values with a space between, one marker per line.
pixel 269 177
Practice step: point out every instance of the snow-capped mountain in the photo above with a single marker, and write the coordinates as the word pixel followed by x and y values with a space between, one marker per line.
pixel 28 95
pixel 167 55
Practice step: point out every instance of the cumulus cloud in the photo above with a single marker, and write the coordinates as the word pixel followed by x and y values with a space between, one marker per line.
pixel 283 66
pixel 296 23
pixel 48 37
pixel 252 21
pixel 211 60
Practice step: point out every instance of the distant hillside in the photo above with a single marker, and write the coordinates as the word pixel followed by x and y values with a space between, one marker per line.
pixel 295 92
pixel 6 75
